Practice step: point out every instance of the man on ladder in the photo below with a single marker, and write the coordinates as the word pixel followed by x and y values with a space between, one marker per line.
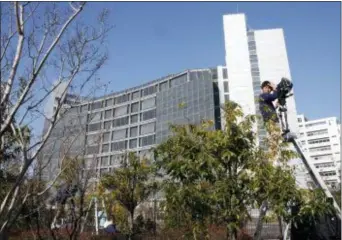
pixel 271 93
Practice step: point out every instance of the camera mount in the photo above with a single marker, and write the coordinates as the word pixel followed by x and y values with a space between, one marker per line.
pixel 283 89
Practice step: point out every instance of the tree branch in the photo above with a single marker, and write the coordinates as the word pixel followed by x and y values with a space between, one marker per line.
pixel 36 73
pixel 17 58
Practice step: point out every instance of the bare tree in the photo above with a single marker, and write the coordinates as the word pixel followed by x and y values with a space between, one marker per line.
pixel 44 46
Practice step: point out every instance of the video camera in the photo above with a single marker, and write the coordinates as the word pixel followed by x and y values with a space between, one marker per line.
pixel 283 89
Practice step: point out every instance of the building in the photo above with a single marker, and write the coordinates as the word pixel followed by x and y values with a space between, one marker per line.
pixel 253 56
pixel 101 130
pixel 136 119
pixel 321 141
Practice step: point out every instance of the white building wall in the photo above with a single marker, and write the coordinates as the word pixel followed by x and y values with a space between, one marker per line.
pixel 237 62
pixel 273 65
pixel 321 140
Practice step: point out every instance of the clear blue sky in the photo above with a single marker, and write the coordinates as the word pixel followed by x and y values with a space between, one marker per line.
pixel 151 40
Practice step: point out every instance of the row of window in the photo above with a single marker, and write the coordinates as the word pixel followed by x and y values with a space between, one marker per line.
pixel 226 87
pixel 325 156
pixel 135 95
pixel 325 165
pixel 123 110
pixel 122 145
pixel 321 140
pixel 318 132
pixel 326 174
pixel 119 122
pixel 315 124
pixel 318 149
pixel 121 134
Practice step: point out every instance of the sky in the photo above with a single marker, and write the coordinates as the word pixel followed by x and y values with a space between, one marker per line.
pixel 151 40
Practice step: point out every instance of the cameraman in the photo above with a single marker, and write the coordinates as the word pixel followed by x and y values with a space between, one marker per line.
pixel 266 98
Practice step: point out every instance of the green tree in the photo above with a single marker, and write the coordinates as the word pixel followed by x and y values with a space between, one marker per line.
pixel 131 184
pixel 273 180
pixel 208 173
pixel 215 176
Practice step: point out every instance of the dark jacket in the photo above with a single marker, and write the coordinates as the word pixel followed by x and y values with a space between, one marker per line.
pixel 266 107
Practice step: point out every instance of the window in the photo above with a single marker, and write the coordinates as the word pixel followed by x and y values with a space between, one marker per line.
pixel 115 159
pixel 252 44
pixel 84 108
pixel 133 143
pixel 315 124
pixel 148 91
pixel 93 139
pixel 134 118
pixel 299 120
pixel 106 137
pixel 105 148
pixel 252 52
pixel 254 66
pixel 256 74
pixel 318 149
pixel 104 161
pixel 119 134
pixel 117 146
pixel 120 111
pixel 120 122
pixel 135 95
pixel 96 105
pixel 226 97
pixel 147 128
pixel 88 162
pixel 225 73
pixel 225 86
pixel 92 149
pixel 321 140
pixel 135 107
pixel 254 69
pixel 108 114
pixel 107 125
pixel 325 165
pixel 104 171
pixel 178 80
pixel 148 103
pixel 318 132
pixel 122 98
pixel 148 115
pixel 326 174
pixel 253 58
pixel 163 86
pixel 134 132
pixel 94 127
pixel 214 74
pixel 109 102
pixel 146 141
pixel 94 117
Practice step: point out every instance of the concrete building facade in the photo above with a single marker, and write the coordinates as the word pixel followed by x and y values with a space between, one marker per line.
pixel 320 139
pixel 102 130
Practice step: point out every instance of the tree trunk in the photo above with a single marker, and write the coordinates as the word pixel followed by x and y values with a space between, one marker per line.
pixel 231 235
pixel 280 222
pixel 132 225
pixel 262 214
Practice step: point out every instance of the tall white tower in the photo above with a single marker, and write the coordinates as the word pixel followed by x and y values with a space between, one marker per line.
pixel 254 56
